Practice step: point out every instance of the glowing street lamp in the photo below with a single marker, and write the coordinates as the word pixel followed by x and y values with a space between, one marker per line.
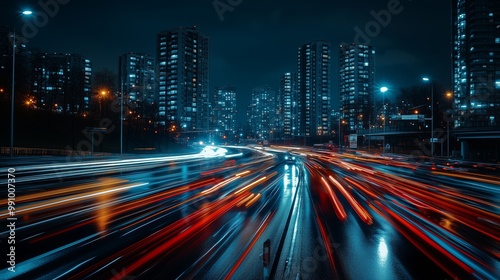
pixel 449 95
pixel 26 13
pixel 341 121
pixel 102 95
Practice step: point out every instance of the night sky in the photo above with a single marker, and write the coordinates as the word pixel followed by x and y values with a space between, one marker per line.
pixel 257 41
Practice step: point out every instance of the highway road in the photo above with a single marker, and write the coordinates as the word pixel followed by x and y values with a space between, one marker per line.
pixel 251 213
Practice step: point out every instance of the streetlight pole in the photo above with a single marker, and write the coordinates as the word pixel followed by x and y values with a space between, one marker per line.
pixel 449 95
pixel 27 12
pixel 12 95
pixel 432 116
pixel 369 132
pixel 448 118
pixel 121 119
pixel 383 90
pixel 340 144
pixel 432 122
pixel 103 93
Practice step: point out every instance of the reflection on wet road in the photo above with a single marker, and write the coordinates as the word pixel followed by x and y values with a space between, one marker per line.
pixel 207 216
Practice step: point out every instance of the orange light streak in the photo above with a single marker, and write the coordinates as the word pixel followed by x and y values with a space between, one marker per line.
pixel 178 239
pixel 362 213
pixel 326 243
pixel 339 209
pixel 253 200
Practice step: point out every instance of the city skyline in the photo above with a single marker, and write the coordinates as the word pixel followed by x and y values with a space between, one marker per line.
pixel 238 139
pixel 254 43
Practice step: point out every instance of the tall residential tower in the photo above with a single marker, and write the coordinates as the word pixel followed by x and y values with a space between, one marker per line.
pixel 287 120
pixel 62 82
pixel 262 113
pixel 224 109
pixel 313 90
pixel 182 58
pixel 137 79
pixel 357 77
pixel 476 77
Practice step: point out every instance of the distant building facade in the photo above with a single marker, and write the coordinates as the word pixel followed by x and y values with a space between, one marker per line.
pixel 476 77
pixel 357 79
pixel 61 82
pixel 261 113
pixel 313 90
pixel 224 109
pixel 137 80
pixel 288 105
pixel 22 65
pixel 182 59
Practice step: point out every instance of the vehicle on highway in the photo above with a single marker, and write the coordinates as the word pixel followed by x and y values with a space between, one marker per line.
pixel 290 158
pixel 263 142
pixel 325 146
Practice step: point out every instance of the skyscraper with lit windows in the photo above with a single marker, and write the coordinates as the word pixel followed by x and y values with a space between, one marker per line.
pixel 224 109
pixel 313 91
pixel 137 78
pixel 287 122
pixel 476 77
pixel 262 113
pixel 357 77
pixel 62 82
pixel 182 59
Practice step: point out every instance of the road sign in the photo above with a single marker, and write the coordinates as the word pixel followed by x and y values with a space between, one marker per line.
pixel 353 141
pixel 434 140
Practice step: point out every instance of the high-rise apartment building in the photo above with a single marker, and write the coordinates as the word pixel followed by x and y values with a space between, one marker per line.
pixel 137 79
pixel 62 82
pixel 313 91
pixel 261 113
pixel 288 105
pixel 476 76
pixel 224 109
pixel 182 59
pixel 357 77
